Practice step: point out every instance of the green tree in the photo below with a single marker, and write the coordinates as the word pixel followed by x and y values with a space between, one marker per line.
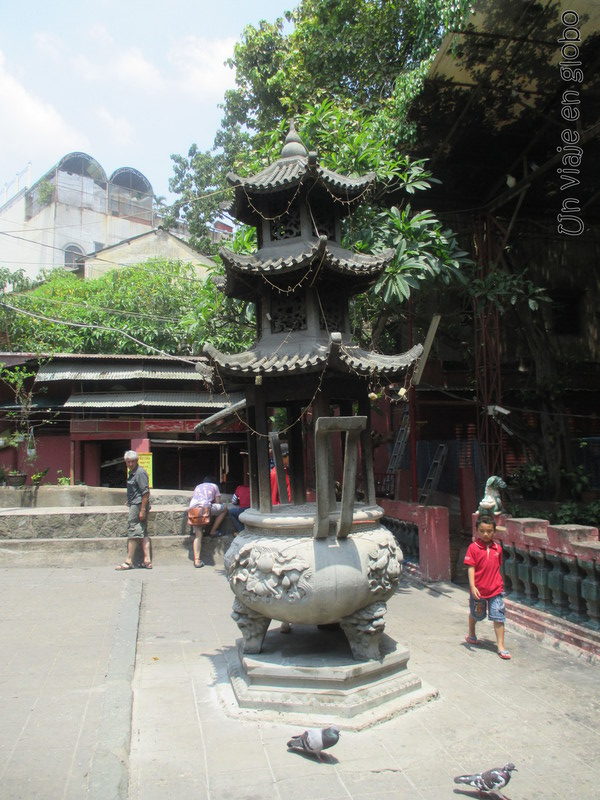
pixel 358 61
pixel 155 306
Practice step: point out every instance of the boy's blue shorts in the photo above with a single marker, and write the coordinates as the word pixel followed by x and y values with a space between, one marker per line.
pixel 494 606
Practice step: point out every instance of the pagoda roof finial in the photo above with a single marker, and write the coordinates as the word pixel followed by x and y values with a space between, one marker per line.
pixel 293 143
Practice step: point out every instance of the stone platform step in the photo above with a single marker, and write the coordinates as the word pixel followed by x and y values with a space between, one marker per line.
pixel 309 677
pixel 69 552
pixel 562 633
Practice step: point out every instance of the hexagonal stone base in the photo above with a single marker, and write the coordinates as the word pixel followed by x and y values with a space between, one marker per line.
pixel 309 676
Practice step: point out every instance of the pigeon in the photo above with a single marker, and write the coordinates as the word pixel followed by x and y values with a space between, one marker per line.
pixel 314 740
pixel 490 781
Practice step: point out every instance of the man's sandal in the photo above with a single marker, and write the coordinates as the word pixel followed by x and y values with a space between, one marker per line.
pixel 147 565
pixel 198 563
pixel 125 565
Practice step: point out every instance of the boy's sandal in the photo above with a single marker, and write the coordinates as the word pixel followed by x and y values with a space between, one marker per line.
pixel 198 563
pixel 125 565
pixel 471 640
pixel 147 565
pixel 504 654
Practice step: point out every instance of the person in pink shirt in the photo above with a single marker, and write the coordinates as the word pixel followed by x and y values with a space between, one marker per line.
pixel 206 495
pixel 483 560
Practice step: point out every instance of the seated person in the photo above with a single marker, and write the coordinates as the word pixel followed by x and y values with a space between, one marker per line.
pixel 240 502
pixel 206 495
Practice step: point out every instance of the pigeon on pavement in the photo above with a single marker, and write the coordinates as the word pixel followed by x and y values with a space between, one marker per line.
pixel 490 781
pixel 314 740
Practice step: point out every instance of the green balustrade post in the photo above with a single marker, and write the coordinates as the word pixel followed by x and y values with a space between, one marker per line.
pixel 539 576
pixel 590 591
pixel 556 584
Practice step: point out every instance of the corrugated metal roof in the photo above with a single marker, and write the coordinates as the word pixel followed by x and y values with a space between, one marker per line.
pixel 99 357
pixel 148 398
pixel 108 372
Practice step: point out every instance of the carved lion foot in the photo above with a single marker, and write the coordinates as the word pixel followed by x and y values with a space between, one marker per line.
pixel 252 625
pixel 363 630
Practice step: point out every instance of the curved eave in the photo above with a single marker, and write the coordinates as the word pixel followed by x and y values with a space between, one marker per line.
pixel 337 355
pixel 367 363
pixel 289 172
pixel 242 270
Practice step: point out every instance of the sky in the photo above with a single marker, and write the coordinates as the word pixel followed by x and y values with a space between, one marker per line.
pixel 126 81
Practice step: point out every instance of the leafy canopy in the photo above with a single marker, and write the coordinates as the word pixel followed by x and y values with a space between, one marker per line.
pixel 161 303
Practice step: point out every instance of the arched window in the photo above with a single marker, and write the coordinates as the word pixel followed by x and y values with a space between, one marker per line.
pixel 73 256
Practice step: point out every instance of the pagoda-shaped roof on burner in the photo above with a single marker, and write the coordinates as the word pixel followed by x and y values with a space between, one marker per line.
pixel 295 167
pixel 296 358
pixel 299 256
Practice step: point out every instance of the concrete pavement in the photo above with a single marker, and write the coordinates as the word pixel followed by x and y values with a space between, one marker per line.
pixel 79 721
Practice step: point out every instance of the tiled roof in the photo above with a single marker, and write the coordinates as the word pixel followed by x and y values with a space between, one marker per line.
pixel 287 172
pixel 299 254
pixel 345 357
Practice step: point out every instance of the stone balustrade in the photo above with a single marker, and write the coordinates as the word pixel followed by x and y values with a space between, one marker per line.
pixel 552 568
pixel 425 533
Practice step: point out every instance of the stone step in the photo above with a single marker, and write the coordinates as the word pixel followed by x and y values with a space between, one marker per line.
pixel 70 551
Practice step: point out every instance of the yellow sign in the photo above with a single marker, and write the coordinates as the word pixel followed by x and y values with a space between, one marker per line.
pixel 145 461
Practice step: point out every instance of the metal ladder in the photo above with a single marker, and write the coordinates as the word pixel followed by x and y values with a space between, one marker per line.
pixel 433 476
pixel 397 452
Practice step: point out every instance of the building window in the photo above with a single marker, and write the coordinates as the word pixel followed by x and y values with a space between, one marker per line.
pixel 73 256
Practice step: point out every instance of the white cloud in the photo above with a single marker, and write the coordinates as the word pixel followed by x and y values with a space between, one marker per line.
pixel 99 33
pixel 133 68
pixel 200 66
pixel 33 129
pixel 129 67
pixel 119 129
pixel 49 44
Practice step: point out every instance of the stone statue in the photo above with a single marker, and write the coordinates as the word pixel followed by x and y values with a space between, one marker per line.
pixel 491 502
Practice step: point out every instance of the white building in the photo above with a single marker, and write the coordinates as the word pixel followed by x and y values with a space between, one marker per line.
pixel 74 209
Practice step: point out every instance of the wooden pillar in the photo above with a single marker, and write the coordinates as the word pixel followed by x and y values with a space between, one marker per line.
pixel 296 453
pixel 252 458
pixel 364 409
pixel 262 450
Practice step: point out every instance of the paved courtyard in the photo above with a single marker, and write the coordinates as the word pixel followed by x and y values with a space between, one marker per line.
pixel 68 729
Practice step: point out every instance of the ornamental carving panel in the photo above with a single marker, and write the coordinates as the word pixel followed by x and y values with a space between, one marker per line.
pixel 287 226
pixel 270 573
pixel 384 567
pixel 288 314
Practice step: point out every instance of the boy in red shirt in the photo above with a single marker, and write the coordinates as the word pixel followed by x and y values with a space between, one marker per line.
pixel 483 560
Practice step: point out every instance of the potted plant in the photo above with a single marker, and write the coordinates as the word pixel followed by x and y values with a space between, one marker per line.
pixel 15 477
pixel 38 477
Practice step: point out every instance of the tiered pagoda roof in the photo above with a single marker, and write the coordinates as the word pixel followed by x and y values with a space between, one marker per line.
pixel 303 256
pixel 301 278
pixel 296 167
pixel 301 356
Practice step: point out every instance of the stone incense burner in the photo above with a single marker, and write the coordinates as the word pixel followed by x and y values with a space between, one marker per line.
pixel 331 560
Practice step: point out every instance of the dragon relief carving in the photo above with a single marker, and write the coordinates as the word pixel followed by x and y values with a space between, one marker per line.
pixel 268 573
pixel 384 567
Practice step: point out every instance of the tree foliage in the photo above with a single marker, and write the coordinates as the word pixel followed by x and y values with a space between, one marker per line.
pixel 161 304
pixel 346 70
